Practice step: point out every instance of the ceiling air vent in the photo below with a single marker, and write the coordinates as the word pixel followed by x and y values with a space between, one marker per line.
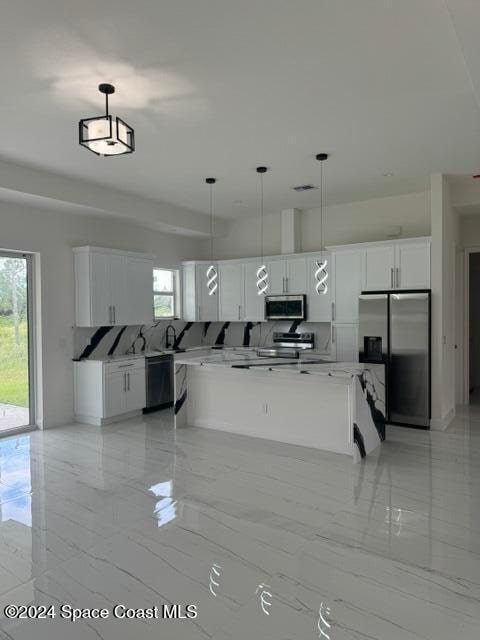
pixel 304 187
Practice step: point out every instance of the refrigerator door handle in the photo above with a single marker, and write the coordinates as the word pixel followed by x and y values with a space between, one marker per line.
pixel 391 278
pixel 398 277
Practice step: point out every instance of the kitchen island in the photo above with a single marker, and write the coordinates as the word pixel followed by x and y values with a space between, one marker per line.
pixel 337 407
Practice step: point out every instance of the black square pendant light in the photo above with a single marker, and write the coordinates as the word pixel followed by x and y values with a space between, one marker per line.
pixel 106 135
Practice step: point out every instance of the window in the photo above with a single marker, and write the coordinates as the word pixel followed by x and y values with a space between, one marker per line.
pixel 165 293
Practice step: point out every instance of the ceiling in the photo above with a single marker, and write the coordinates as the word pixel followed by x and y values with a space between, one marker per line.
pixel 219 86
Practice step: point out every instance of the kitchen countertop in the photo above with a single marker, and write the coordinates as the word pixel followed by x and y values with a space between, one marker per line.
pixel 237 359
pixel 238 351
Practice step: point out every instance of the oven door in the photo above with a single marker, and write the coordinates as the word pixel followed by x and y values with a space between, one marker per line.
pixel 285 307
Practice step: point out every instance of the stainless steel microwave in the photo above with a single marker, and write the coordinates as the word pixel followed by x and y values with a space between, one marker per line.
pixel 285 307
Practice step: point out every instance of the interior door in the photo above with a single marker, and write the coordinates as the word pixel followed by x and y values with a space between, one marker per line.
pixel 379 268
pixel 254 306
pixel 230 299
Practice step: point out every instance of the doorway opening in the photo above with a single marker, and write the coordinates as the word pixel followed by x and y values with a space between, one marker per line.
pixel 17 393
pixel 474 328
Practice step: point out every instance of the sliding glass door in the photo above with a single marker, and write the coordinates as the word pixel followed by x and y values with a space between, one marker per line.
pixel 16 388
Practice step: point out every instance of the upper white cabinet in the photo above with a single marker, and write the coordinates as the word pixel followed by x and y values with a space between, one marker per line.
pixel 370 266
pixel 296 275
pixel 319 305
pixel 413 265
pixel 112 287
pixel 198 305
pixel 379 266
pixel 254 305
pixel 401 265
pixel 347 285
pixel 231 291
pixel 277 274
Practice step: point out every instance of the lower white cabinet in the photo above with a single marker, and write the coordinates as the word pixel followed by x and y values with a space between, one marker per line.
pixel 345 342
pixel 108 391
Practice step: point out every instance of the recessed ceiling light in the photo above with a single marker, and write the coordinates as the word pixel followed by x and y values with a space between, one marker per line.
pixel 389 174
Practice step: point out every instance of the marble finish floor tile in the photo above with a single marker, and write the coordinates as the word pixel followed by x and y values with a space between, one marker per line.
pixel 268 540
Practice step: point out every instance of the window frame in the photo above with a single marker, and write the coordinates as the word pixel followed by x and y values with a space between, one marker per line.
pixel 174 293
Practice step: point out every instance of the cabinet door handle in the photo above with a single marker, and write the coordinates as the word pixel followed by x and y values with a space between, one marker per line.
pixel 122 366
pixel 110 315
pixel 333 311
pixel 333 335
pixel 286 284
pixel 199 312
pixel 398 277
pixel 239 312
pixel 124 383
pixel 391 278
pixel 128 381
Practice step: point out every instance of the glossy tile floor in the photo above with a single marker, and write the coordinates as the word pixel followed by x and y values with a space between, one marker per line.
pixel 269 541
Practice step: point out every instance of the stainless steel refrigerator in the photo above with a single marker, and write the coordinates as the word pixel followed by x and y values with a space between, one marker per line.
pixel 394 329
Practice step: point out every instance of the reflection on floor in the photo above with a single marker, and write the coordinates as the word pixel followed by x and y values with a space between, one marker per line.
pixel 12 416
pixel 268 540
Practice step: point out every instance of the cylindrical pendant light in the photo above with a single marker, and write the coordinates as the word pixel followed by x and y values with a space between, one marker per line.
pixel 262 272
pixel 211 273
pixel 321 272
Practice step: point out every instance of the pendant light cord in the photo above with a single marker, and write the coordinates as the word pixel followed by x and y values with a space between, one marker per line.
pixel 261 216
pixel 321 207
pixel 106 104
pixel 211 222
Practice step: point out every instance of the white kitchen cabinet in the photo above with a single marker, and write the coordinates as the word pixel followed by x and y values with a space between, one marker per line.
pixel 379 268
pixel 319 305
pixel 107 391
pixel 135 395
pixel 413 265
pixel 277 273
pixel 400 265
pixel 345 342
pixel 114 394
pixel 198 305
pixel 139 284
pixel 347 285
pixel 112 287
pixel 296 276
pixel 254 305
pixel 231 291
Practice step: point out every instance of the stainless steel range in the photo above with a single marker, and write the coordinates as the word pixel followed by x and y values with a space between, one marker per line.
pixel 287 345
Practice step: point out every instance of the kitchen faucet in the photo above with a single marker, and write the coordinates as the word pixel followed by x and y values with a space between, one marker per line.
pixel 167 336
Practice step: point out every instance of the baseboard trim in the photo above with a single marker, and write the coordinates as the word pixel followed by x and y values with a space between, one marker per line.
pixel 440 424
pixel 98 422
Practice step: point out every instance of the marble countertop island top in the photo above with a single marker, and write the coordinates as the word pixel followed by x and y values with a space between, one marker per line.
pixel 238 359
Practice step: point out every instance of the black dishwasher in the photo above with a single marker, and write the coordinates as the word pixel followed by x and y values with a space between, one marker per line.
pixel 159 382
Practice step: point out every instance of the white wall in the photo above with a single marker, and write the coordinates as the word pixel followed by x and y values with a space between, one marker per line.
pixel 52 236
pixel 343 224
pixel 445 242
